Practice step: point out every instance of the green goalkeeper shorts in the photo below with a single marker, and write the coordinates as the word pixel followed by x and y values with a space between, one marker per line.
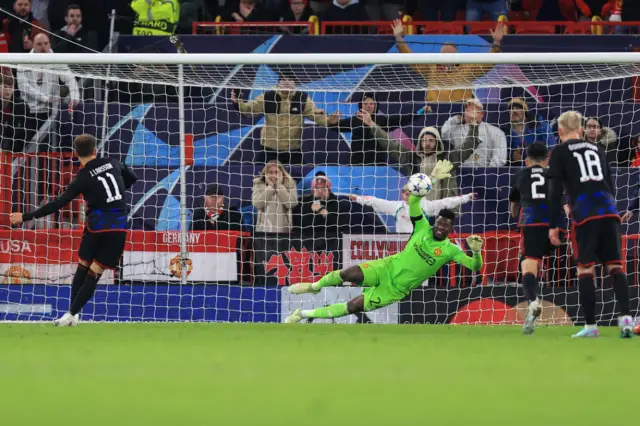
pixel 380 291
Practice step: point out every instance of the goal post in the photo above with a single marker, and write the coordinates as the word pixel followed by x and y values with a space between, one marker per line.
pixel 172 119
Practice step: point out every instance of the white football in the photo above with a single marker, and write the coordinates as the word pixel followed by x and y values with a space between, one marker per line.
pixel 419 184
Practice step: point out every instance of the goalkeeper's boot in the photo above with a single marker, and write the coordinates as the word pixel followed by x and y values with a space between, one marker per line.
pixel 302 288
pixel 75 320
pixel 533 312
pixel 626 326
pixel 294 317
pixel 64 321
pixel 587 332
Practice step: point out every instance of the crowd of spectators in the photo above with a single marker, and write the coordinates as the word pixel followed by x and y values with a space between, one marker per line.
pixel 466 139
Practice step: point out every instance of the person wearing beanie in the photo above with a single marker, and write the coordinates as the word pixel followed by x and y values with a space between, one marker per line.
pixel 364 150
pixel 215 215
pixel 317 218
pixel 297 11
pixel 430 149
pixel 345 10
pixel 524 129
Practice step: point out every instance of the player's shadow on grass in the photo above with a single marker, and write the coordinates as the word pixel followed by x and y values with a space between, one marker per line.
pixel 362 319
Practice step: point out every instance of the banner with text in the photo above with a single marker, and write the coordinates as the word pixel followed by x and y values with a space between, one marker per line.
pixel 50 257
pixel 282 259
pixel 153 256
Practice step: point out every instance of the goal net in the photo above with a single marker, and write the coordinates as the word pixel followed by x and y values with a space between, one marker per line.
pixel 259 171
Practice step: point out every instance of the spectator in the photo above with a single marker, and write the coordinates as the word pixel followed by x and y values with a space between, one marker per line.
pixel 492 151
pixel 364 150
pixel 384 10
pixel 19 34
pixel 631 10
pixel 75 37
pixel 555 10
pixel 493 8
pixel 430 149
pixel 274 195
pixel 41 90
pixel 525 128
pixel 612 10
pixel 438 10
pixel 596 133
pixel 284 111
pixel 400 209
pixel 156 17
pixel 634 160
pixel 8 125
pixel 317 218
pixel 590 8
pixel 444 76
pixel 214 215
pixel 345 10
pixel 244 11
pixel 298 11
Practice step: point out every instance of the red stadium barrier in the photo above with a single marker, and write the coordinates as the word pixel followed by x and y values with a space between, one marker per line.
pixel 29 179
pixel 235 28
pixel 415 27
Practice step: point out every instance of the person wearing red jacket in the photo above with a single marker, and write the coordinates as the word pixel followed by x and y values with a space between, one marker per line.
pixel 20 33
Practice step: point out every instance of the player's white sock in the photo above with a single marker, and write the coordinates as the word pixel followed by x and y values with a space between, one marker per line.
pixel 590 326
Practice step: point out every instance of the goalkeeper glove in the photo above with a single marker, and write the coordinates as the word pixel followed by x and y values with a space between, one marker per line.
pixel 441 170
pixel 475 243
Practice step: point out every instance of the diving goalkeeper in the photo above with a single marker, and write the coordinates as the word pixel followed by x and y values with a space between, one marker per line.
pixel 392 278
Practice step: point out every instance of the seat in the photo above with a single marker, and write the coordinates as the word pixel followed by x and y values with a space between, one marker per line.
pixel 481 27
pixel 443 28
pixel 535 28
pixel 577 28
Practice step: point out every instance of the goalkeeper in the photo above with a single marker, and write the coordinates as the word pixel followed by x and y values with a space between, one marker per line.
pixel 392 278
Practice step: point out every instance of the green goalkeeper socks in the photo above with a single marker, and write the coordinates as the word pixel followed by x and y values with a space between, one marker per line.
pixel 331 279
pixel 336 310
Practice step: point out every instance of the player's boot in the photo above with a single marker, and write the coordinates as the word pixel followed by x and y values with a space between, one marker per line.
pixel 587 332
pixel 533 312
pixel 626 326
pixel 302 288
pixel 75 320
pixel 294 317
pixel 64 321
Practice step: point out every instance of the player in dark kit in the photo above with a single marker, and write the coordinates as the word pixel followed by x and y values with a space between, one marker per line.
pixel 102 182
pixel 581 169
pixel 529 200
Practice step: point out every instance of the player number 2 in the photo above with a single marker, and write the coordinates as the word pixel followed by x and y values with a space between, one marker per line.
pixel 590 167
pixel 111 196
pixel 538 181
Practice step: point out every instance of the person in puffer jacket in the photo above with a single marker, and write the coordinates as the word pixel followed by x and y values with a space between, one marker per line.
pixel 429 149
pixel 274 196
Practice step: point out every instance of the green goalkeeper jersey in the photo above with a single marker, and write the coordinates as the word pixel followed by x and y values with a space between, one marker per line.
pixel 423 256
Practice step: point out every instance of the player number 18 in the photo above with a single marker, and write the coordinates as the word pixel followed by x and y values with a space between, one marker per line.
pixel 111 196
pixel 590 167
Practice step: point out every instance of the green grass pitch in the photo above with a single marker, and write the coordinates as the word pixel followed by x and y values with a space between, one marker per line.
pixel 308 375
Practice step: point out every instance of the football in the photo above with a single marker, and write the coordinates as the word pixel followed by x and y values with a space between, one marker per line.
pixel 419 184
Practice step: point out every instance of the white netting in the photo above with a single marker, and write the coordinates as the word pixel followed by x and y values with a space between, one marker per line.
pixel 239 271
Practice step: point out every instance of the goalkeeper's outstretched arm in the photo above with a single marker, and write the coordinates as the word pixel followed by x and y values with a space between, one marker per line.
pixel 475 261
pixel 415 213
